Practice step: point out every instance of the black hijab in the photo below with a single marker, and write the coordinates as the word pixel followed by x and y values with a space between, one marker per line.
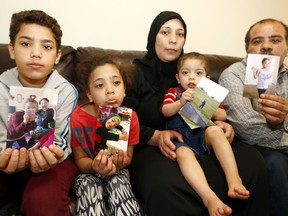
pixel 160 75
pixel 159 20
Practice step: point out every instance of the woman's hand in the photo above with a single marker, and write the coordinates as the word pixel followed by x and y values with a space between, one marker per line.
pixel 228 130
pixel 163 139
pixel 12 161
pixel 44 159
pixel 103 163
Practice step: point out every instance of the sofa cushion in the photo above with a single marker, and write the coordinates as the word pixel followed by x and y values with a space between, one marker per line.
pixel 217 63
pixel 5 61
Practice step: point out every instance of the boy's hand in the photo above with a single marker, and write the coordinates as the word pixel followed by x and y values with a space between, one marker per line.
pixel 45 158
pixel 187 96
pixel 29 118
pixel 12 161
pixel 103 163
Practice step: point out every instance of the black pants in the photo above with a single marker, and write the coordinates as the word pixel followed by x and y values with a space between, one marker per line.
pixel 158 181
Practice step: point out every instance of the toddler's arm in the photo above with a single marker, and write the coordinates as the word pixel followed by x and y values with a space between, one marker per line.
pixel 220 115
pixel 173 108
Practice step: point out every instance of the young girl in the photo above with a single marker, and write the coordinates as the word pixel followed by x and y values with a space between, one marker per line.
pixel 263 75
pixel 191 67
pixel 103 187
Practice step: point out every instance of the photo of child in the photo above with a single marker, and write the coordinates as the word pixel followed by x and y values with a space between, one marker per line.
pixel 261 75
pixel 31 121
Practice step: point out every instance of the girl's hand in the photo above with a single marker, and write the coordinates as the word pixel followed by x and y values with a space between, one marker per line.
pixel 121 159
pixel 103 163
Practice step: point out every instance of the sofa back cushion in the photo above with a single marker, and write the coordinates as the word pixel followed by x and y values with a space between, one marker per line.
pixel 71 58
pixel 85 52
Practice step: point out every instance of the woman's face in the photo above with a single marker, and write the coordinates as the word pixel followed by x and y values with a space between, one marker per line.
pixel 170 40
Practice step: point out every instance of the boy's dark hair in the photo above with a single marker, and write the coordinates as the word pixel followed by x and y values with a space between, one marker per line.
pixel 34 17
pixel 86 67
pixel 193 55
pixel 248 36
pixel 46 99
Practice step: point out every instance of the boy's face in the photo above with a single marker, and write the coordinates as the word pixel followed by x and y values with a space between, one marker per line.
pixel 190 73
pixel 35 54
pixel 106 86
pixel 30 108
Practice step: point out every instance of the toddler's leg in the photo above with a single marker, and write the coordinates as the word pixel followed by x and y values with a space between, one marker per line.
pixel 195 176
pixel 214 137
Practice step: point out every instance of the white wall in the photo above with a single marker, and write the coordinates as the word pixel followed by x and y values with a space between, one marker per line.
pixel 214 26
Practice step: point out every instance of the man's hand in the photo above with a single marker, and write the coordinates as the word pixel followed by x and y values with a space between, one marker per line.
pixel 274 108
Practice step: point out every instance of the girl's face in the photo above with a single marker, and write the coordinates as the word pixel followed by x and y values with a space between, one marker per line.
pixel 170 40
pixel 190 73
pixel 266 63
pixel 106 86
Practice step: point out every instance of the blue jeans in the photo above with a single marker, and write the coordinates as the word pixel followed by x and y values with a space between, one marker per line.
pixel 277 166
pixel 194 139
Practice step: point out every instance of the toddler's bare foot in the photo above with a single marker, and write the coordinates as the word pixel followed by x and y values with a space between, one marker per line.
pixel 238 191
pixel 216 207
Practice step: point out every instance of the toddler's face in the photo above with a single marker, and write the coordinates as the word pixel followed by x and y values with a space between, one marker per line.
pixel 190 73
pixel 106 86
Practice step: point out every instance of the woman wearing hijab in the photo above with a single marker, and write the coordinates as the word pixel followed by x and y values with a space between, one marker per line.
pixel 154 173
